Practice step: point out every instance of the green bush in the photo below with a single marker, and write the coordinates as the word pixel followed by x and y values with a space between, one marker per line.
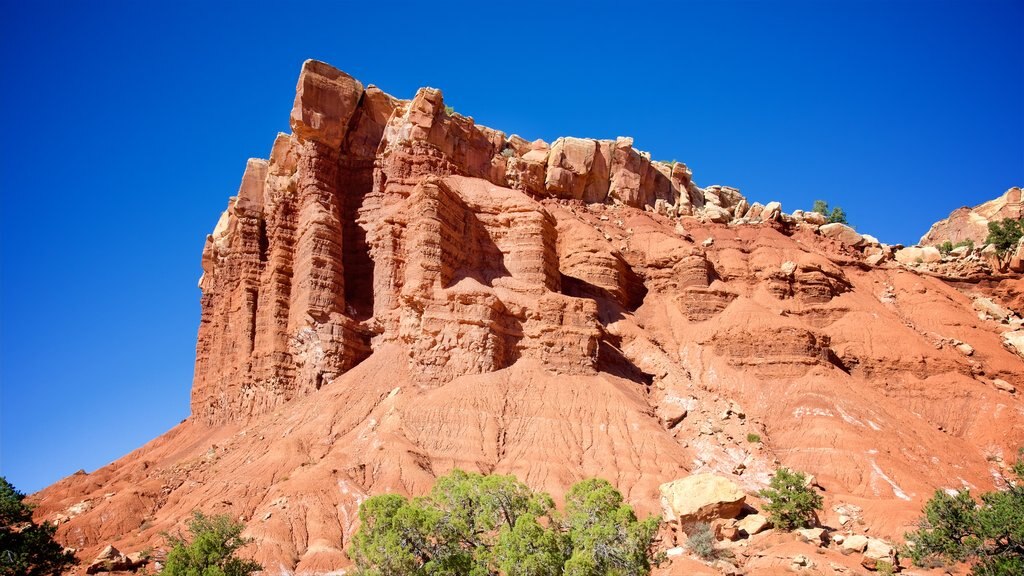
pixel 753 438
pixel 836 215
pixel 1004 235
pixel 956 528
pixel 27 548
pixel 488 525
pixel 948 246
pixel 449 110
pixel 790 502
pixel 215 539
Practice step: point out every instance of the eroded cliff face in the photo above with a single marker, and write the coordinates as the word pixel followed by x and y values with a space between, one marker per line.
pixel 398 291
pixel 972 223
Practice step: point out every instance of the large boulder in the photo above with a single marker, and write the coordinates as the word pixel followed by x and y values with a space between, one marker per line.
pixel 842 233
pixel 701 497
pixel 918 255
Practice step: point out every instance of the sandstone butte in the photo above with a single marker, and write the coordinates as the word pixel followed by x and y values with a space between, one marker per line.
pixel 399 291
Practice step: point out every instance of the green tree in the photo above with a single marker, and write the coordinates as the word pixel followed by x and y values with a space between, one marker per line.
pixel 606 536
pixel 956 528
pixel 790 502
pixel 215 539
pixel 1004 235
pixel 837 214
pixel 477 525
pixel 27 548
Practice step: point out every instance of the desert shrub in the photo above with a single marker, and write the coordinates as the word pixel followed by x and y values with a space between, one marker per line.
pixel 487 525
pixel 449 110
pixel 948 246
pixel 753 438
pixel 790 502
pixel 27 548
pixel 1004 235
pixel 211 551
pixel 837 214
pixel 700 539
pixel 956 528
pixel 508 152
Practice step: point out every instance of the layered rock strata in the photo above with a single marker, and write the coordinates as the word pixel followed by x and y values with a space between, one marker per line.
pixel 398 291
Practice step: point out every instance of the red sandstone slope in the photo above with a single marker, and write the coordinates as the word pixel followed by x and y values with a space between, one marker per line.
pixel 399 291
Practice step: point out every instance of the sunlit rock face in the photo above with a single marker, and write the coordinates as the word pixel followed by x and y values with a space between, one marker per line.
pixel 398 291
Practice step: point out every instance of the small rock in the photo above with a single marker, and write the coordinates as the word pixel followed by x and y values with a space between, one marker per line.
pixel 815 536
pixel 1004 385
pixel 707 243
pixel 752 524
pixel 802 561
pixel 965 349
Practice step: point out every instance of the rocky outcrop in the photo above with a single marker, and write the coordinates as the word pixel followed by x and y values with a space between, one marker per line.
pixel 701 497
pixel 972 223
pixel 397 291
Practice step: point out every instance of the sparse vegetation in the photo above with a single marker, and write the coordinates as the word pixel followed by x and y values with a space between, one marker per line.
pixel 790 502
pixel 489 525
pixel 27 548
pixel 836 215
pixel 754 438
pixel 948 246
pixel 508 152
pixel 449 110
pixel 1004 235
pixel 700 539
pixel 955 528
pixel 215 539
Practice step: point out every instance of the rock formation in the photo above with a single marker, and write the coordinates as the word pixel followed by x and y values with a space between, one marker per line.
pixel 972 223
pixel 398 291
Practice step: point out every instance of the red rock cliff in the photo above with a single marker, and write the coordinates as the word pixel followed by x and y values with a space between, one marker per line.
pixel 398 291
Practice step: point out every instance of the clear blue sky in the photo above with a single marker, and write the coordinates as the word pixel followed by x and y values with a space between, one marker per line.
pixel 126 126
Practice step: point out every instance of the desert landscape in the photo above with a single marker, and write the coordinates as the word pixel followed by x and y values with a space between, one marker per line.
pixel 397 292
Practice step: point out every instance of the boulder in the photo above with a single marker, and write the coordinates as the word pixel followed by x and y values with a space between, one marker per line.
pixel 986 308
pixel 1014 341
pixel 1004 385
pixel 1016 263
pixel 771 211
pixel 918 255
pixel 752 524
pixel 878 549
pixel 701 497
pixel 815 218
pixel 855 543
pixel 110 559
pixel 815 536
pixel 843 234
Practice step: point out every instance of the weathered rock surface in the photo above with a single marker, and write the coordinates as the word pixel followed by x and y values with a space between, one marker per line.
pixel 701 497
pixel 972 223
pixel 397 291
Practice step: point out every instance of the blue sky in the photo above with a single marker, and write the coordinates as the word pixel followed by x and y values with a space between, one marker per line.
pixel 126 126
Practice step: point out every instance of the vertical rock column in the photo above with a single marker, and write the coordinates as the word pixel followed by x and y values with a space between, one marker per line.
pixel 322 335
